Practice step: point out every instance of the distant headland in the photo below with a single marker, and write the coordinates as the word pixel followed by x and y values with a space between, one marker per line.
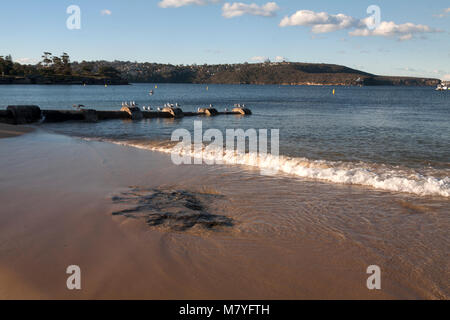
pixel 57 70
pixel 60 70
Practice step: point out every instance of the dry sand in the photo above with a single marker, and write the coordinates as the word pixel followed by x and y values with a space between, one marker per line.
pixel 55 195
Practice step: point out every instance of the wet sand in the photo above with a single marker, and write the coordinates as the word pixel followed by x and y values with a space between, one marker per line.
pixel 290 239
pixel 7 130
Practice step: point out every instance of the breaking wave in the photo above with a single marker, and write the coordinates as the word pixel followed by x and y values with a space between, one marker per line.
pixel 382 177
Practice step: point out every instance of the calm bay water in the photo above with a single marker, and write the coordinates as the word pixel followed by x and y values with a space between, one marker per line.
pixel 367 135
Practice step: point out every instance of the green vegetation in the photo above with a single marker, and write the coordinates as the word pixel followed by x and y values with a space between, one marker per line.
pixel 55 70
pixel 288 73
pixel 60 70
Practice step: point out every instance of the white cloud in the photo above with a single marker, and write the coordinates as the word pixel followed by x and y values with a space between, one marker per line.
pixel 236 9
pixel 446 77
pixel 322 22
pixel 390 29
pixel 280 59
pixel 443 13
pixel 264 59
pixel 259 59
pixel 405 37
pixel 106 12
pixel 26 61
pixel 182 3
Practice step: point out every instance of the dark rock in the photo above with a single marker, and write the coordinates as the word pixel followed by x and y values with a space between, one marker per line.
pixel 175 112
pixel 62 115
pixel 208 111
pixel 25 114
pixel 243 111
pixel 134 112
pixel 90 115
pixel 109 115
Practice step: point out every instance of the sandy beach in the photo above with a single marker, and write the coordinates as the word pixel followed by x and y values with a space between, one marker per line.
pixel 7 130
pixel 284 242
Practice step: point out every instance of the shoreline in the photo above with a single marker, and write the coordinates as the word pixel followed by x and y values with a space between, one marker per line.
pixel 284 84
pixel 57 195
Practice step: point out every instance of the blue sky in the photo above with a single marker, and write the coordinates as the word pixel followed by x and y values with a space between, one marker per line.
pixel 412 38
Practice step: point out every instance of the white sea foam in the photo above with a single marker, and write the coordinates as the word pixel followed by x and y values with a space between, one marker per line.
pixel 371 175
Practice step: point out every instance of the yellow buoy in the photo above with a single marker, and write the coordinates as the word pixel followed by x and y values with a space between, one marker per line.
pixel 156 86
pixel 334 91
pixel 106 86
pixel 207 88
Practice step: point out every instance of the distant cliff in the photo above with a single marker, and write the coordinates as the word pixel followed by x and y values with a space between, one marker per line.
pixel 59 70
pixel 56 70
pixel 286 73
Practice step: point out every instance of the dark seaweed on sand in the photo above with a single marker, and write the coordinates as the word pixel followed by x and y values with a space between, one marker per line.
pixel 178 210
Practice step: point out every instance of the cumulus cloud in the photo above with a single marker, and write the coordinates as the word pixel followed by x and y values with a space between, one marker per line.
pixel 236 9
pixel 106 12
pixel 182 3
pixel 402 32
pixel 322 22
pixel 443 13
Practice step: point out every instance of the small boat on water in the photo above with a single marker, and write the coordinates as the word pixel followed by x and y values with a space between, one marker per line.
pixel 443 86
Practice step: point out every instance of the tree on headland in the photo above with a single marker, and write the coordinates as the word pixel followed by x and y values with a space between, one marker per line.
pixel 108 71
pixel 66 64
pixel 59 69
pixel 46 59
pixel 57 64
pixel 6 65
pixel 87 68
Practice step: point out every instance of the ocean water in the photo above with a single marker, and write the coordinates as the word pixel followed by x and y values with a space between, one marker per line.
pixel 364 176
pixel 389 138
